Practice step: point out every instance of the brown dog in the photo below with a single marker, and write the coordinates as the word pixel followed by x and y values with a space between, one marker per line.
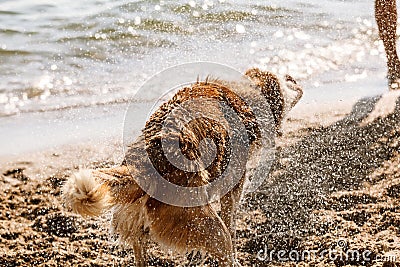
pixel 137 216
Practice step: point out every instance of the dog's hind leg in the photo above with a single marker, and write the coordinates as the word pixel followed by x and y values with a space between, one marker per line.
pixel 188 229
pixel 140 249
pixel 229 205
pixel 211 235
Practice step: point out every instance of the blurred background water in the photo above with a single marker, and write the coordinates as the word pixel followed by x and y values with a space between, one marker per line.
pixel 62 54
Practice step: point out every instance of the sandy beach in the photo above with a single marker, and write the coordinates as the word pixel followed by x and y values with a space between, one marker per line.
pixel 335 187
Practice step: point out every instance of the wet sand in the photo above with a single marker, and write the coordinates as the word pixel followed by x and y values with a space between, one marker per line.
pixel 335 186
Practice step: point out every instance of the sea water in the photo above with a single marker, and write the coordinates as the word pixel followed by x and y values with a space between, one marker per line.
pixel 67 63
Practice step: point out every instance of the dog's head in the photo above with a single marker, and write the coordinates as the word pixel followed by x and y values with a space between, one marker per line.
pixel 282 94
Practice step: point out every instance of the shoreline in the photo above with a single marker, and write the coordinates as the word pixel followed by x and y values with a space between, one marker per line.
pixel 32 132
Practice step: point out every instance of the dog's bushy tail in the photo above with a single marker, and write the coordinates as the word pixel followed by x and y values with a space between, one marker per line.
pixel 85 194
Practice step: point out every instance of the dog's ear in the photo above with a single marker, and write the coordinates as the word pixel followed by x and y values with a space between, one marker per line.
pixel 292 92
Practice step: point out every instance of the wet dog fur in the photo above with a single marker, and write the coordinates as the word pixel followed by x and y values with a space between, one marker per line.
pixel 137 217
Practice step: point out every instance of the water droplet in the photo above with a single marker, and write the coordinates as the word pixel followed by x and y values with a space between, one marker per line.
pixel 3 98
pixel 367 23
pixel 301 35
pixel 137 20
pixel 209 2
pixel 374 52
pixel 278 34
pixel 240 28
pixel 308 46
pixel 131 30
pixel 53 67
pixel 67 81
pixel 45 82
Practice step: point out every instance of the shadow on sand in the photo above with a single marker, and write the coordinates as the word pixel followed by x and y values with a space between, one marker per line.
pixel 340 157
